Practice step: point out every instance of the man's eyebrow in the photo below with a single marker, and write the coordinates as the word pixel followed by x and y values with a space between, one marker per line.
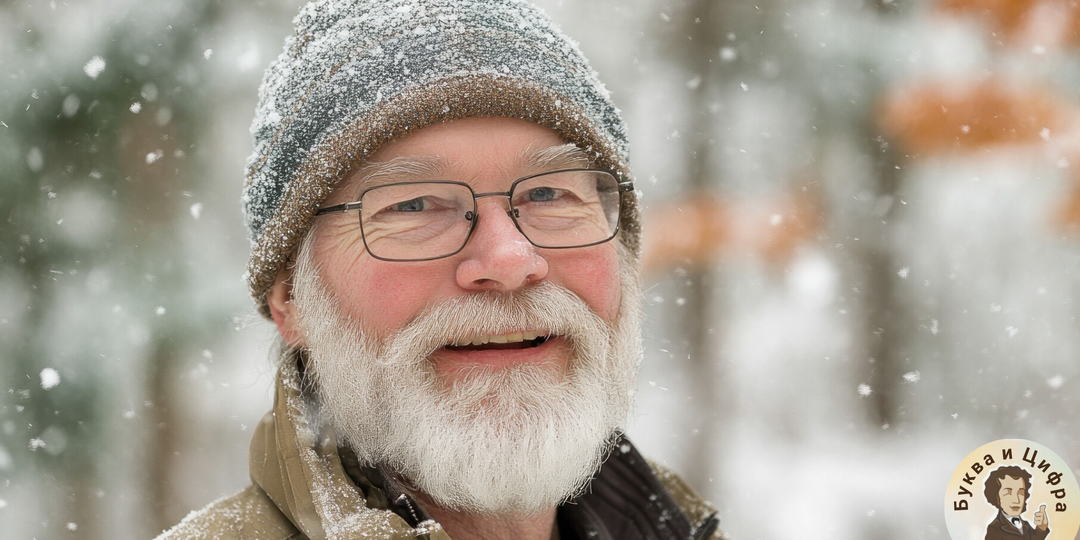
pixel 566 156
pixel 434 167
pixel 399 169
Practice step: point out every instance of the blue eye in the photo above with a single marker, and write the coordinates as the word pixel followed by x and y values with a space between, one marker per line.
pixel 542 194
pixel 411 205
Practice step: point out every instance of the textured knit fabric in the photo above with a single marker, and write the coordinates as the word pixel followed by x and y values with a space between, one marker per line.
pixel 357 74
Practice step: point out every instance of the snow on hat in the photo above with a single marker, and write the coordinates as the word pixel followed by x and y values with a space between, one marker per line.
pixel 358 74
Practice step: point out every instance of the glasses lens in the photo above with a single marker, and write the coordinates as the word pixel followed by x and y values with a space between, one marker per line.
pixel 415 221
pixel 567 208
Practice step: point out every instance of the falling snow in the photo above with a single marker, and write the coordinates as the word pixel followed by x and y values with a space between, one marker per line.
pixel 49 378
pixel 94 67
pixel 780 342
pixel 70 105
pixel 35 160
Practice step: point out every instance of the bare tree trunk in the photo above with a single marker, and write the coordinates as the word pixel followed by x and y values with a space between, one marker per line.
pixel 164 440
pixel 888 325
pixel 699 55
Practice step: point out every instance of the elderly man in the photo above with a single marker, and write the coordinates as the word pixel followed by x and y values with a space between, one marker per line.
pixel 445 233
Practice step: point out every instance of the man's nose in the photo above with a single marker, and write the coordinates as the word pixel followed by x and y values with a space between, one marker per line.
pixel 498 257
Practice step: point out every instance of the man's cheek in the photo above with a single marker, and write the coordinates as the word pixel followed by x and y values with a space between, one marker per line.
pixel 386 302
pixel 596 280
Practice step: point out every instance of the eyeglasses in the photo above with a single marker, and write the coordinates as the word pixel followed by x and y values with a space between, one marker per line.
pixel 423 221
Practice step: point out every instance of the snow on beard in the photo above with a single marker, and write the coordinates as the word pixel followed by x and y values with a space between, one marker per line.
pixel 512 440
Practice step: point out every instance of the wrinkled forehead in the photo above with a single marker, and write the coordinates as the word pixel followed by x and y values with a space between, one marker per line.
pixel 465 150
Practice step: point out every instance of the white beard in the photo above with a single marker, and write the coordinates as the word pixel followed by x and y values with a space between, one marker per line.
pixel 514 440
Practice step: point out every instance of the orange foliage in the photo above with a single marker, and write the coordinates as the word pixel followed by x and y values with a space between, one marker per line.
pixel 1038 22
pixel 1067 216
pixel 694 231
pixel 687 232
pixel 946 117
pixel 796 220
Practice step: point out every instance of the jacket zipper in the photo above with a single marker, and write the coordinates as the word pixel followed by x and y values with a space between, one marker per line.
pixel 706 528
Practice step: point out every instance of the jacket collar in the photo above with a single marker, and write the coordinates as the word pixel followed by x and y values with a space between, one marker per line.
pixel 294 459
pixel 625 500
pixel 1006 526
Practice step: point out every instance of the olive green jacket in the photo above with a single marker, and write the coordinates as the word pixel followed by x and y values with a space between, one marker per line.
pixel 301 489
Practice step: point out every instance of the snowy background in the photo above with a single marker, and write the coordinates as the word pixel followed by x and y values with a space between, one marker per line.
pixel 861 228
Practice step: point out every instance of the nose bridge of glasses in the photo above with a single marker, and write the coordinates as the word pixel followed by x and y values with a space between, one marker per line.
pixel 479 196
pixel 511 212
pixel 505 194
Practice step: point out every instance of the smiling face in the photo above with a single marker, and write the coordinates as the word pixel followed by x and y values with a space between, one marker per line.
pixel 492 379
pixel 1011 496
pixel 488 154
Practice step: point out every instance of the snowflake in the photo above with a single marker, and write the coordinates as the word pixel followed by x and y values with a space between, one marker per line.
pixel 49 378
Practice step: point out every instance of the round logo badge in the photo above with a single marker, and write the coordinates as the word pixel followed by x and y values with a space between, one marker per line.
pixel 1012 489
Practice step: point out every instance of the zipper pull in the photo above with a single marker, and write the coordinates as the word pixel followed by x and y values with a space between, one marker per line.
pixel 422 529
pixel 706 528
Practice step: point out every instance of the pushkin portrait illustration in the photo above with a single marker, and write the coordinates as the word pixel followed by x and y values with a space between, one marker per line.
pixel 1008 489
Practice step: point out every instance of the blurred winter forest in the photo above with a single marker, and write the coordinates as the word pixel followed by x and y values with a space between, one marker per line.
pixel 861 251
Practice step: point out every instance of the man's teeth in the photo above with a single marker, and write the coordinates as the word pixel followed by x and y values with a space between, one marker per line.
pixel 514 337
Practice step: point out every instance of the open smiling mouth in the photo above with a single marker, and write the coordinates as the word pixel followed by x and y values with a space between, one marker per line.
pixel 518 340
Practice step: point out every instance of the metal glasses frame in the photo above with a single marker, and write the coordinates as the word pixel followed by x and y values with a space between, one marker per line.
pixel 473 215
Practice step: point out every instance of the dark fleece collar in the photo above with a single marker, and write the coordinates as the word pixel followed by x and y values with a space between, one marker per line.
pixel 624 501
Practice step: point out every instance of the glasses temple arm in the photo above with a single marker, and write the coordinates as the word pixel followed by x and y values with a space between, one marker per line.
pixel 339 208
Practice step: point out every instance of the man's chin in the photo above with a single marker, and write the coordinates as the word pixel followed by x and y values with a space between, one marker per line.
pixel 515 479
pixel 499 396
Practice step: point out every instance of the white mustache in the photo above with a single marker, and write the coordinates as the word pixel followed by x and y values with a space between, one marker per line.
pixel 544 309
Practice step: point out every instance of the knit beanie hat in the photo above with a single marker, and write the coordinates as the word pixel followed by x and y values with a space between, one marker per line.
pixel 359 73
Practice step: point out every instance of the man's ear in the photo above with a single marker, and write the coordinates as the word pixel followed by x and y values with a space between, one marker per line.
pixel 283 310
